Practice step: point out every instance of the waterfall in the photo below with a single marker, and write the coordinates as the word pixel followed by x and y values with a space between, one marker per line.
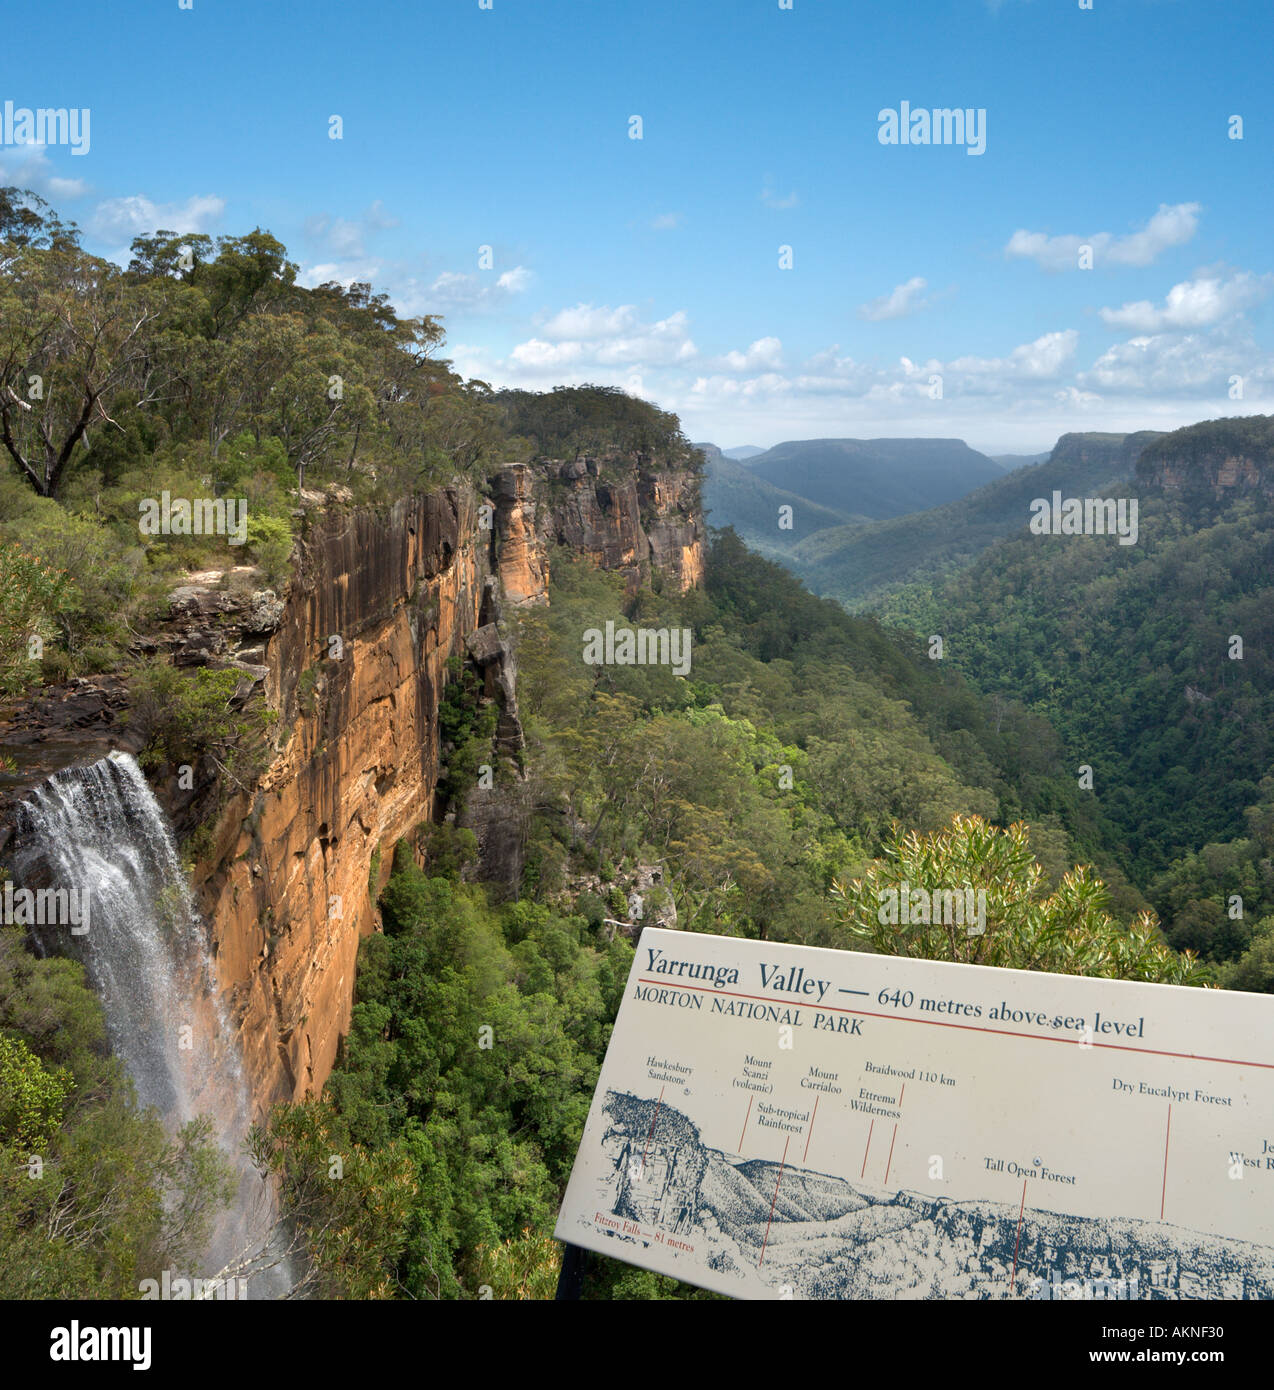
pixel 99 831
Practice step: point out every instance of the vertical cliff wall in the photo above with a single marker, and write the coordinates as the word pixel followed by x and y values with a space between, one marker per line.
pixel 355 669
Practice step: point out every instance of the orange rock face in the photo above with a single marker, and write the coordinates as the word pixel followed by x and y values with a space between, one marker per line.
pixel 523 564
pixel 676 526
pixel 355 671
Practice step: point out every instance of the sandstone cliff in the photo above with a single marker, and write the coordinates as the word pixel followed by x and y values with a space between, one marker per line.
pixel 354 662
pixel 625 512
pixel 355 670
pixel 1114 455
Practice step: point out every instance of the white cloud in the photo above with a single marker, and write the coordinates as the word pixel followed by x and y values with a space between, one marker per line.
pixel 588 321
pixel 1198 303
pixel 666 341
pixel 1156 364
pixel 455 290
pixel 346 240
pixel 726 388
pixel 595 343
pixel 765 352
pixel 666 221
pixel 609 337
pixel 1170 226
pixel 28 166
pixel 1022 399
pixel 450 292
pixel 119 220
pixel 535 352
pixel 516 280
pixel 1081 400
pixel 1043 358
pixel 901 300
pixel 829 374
pixel 343 273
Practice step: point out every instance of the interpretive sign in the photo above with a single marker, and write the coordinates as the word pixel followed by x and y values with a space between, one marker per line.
pixel 785 1122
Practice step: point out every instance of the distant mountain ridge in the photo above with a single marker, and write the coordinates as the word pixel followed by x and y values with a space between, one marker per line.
pixel 734 496
pixel 1011 462
pixel 1152 661
pixel 877 478
pixel 855 564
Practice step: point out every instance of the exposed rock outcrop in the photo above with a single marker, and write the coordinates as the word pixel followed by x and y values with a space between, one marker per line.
pixel 1116 453
pixel 522 562
pixel 1216 459
pixel 631 514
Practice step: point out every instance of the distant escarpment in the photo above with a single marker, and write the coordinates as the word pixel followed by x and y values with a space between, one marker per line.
pixel 1115 454
pixel 1216 459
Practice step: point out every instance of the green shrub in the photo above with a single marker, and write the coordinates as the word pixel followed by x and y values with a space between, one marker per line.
pixel 31 1096
pixel 91 618
pixel 270 545
pixel 448 850
pixel 187 716
pixel 33 593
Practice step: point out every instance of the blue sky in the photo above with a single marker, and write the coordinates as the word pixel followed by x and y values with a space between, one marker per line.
pixel 654 264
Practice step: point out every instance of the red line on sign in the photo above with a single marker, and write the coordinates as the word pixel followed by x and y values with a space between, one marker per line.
pixel 963 1027
pixel 1163 1196
pixel 1018 1241
pixel 890 1164
pixel 867 1150
pixel 774 1199
pixel 810 1135
pixel 746 1118
pixel 653 1123
pixel 902 1093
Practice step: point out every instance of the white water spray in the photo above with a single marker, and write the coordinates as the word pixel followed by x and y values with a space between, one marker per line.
pixel 100 831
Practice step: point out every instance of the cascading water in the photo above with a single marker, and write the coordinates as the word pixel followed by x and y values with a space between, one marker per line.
pixel 99 831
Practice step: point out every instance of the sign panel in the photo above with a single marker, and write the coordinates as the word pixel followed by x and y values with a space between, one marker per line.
pixel 785 1122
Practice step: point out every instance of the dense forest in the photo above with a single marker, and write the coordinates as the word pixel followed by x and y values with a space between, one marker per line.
pixel 1153 664
pixel 205 368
